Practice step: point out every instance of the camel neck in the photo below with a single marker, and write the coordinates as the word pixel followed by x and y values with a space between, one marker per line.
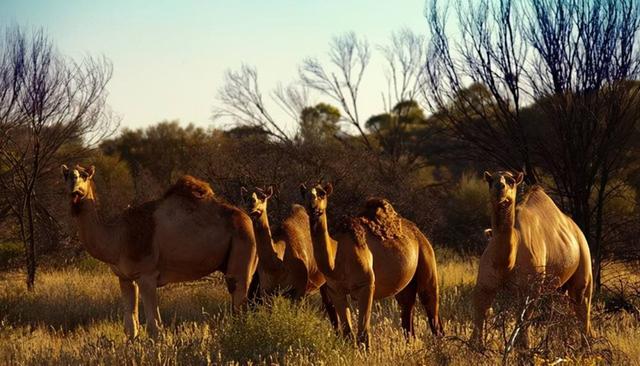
pixel 268 256
pixel 95 237
pixel 323 245
pixel 504 236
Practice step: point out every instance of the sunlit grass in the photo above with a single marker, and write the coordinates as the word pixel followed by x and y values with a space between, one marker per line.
pixel 73 317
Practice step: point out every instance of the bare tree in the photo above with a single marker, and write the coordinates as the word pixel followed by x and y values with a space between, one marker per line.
pixel 405 61
pixel 54 103
pixel 560 98
pixel 349 57
pixel 242 100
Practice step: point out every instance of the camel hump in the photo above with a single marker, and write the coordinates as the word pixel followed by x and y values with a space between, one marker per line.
pixel 377 217
pixel 297 209
pixel 190 187
pixel 536 198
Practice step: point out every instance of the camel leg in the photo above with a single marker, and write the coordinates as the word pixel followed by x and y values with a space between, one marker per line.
pixel 482 300
pixel 241 266
pixel 364 295
pixel 580 294
pixel 407 300
pixel 427 286
pixel 129 292
pixel 339 300
pixel 328 307
pixel 148 291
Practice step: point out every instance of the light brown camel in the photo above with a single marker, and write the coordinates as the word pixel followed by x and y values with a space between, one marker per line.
pixel 533 238
pixel 374 255
pixel 183 236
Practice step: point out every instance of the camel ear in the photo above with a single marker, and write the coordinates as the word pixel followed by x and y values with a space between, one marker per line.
pixel 91 171
pixel 328 188
pixel 487 177
pixel 303 190
pixel 65 171
pixel 488 233
pixel 519 177
pixel 269 192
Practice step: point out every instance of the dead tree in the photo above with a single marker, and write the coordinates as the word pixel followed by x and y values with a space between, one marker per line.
pixel 53 102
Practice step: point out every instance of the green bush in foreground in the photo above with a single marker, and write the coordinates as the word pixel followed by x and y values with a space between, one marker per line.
pixel 280 330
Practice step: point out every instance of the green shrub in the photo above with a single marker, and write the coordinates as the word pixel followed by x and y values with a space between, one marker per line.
pixel 282 332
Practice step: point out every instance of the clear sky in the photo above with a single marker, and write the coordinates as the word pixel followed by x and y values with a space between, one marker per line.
pixel 169 57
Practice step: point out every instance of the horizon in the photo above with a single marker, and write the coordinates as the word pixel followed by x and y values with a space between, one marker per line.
pixel 190 53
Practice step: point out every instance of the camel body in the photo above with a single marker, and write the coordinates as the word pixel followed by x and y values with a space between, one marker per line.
pixel 372 259
pixel 184 236
pixel 534 239
pixel 297 271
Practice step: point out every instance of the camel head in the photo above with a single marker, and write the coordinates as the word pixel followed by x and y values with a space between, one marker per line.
pixel 255 200
pixel 79 182
pixel 315 199
pixel 503 187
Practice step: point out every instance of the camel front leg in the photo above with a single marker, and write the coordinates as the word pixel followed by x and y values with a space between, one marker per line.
pixel 364 295
pixel 482 300
pixel 148 291
pixel 328 307
pixel 339 300
pixel 129 292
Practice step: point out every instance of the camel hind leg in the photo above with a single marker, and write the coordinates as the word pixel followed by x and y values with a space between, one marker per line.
pixel 580 292
pixel 407 300
pixel 427 285
pixel 242 262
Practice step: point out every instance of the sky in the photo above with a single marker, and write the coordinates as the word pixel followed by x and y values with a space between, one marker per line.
pixel 169 57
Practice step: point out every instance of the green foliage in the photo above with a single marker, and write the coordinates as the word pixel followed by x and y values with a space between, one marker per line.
pixel 10 253
pixel 319 123
pixel 467 213
pixel 280 328
pixel 166 149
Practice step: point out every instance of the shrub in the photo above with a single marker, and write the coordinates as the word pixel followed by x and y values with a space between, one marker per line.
pixel 279 330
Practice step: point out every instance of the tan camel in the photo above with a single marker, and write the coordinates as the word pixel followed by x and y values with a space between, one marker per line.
pixel 183 236
pixel 533 238
pixel 286 257
pixel 374 255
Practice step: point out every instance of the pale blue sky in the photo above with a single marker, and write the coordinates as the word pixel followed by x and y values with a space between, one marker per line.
pixel 169 57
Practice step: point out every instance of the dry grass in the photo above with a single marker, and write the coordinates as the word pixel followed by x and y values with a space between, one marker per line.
pixel 73 317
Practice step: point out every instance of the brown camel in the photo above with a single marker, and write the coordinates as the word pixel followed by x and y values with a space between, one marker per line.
pixel 183 236
pixel 533 238
pixel 374 255
pixel 286 257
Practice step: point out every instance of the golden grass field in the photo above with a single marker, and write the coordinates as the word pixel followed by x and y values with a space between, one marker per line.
pixel 73 317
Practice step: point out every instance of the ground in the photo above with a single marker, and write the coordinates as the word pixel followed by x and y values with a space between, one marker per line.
pixel 73 317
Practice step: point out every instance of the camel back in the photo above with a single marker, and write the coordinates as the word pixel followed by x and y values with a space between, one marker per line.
pixel 378 217
pixel 537 207
pixel 190 187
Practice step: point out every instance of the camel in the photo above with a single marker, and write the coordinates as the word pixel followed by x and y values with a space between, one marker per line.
pixel 533 238
pixel 286 257
pixel 183 236
pixel 374 255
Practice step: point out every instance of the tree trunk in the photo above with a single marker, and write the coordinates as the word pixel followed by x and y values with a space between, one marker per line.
pixel 30 246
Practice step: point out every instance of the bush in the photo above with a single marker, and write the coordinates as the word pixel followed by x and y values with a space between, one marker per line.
pixel 467 214
pixel 279 330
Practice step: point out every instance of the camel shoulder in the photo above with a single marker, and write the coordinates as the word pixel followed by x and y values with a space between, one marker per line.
pixel 140 228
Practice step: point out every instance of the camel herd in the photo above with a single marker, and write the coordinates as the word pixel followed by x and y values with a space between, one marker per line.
pixel 190 232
